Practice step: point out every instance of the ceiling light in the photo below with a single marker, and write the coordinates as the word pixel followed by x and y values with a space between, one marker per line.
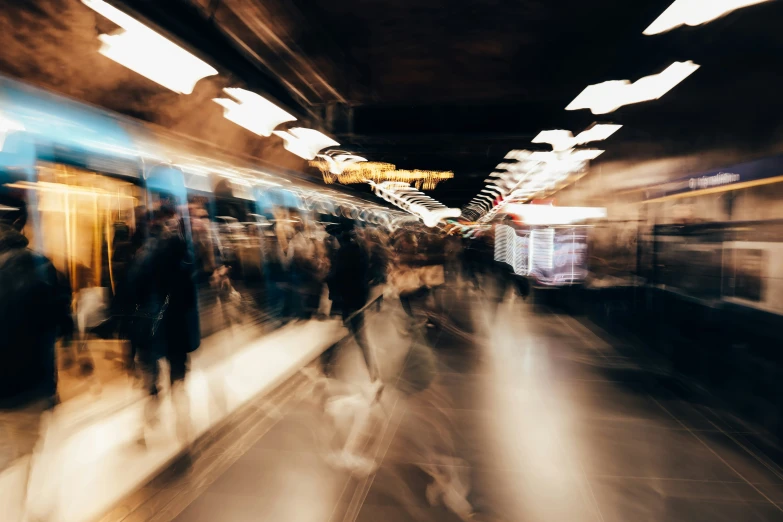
pixel 598 132
pixel 559 139
pixel 305 143
pixel 551 215
pixel 585 154
pixel 695 12
pixel 605 97
pixel 252 111
pixel 337 164
pixel 564 140
pixel 518 155
pixel 146 52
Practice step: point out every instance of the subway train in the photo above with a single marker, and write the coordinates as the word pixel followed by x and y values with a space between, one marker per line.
pixel 88 176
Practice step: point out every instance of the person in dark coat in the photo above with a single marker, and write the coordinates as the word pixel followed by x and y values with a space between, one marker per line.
pixel 166 325
pixel 34 307
pixel 349 285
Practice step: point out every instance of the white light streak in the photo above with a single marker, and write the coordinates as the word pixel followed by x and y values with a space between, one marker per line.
pixel 305 143
pixel 551 215
pixel 695 12
pixel 146 52
pixel 563 140
pixel 430 211
pixel 605 97
pixel 338 162
pixel 252 111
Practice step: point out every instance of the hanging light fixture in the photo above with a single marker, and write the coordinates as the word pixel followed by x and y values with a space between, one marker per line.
pixel 605 97
pixel 252 111
pixel 695 12
pixel 146 52
pixel 564 140
pixel 305 143
pixel 430 211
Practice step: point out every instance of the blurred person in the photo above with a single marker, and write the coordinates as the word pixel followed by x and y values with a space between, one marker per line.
pixel 424 435
pixel 34 309
pixel 203 246
pixel 320 297
pixel 230 298
pixel 137 241
pixel 453 258
pixel 407 274
pixel 380 259
pixel 285 232
pixel 472 262
pixel 304 272
pixel 274 273
pixel 349 284
pixel 166 324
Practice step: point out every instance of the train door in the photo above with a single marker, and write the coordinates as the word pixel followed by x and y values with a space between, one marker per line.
pixel 83 222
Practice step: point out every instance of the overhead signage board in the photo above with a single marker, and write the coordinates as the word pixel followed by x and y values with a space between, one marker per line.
pixel 743 175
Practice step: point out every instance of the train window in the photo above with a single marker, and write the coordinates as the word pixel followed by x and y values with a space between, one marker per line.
pixel 85 220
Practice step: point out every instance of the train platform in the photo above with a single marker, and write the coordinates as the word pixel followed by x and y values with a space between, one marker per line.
pixel 532 417
pixel 93 454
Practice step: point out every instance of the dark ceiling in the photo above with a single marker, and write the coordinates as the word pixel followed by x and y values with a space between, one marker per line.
pixel 454 85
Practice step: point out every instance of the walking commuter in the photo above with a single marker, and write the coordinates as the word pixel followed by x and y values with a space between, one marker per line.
pixel 349 284
pixel 34 309
pixel 166 325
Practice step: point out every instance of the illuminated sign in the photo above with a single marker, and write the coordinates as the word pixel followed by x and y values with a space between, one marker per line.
pixel 721 178
pixel 758 172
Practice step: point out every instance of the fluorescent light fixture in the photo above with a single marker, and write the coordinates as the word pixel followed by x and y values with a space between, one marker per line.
pixel 305 143
pixel 518 155
pixel 507 166
pixel 551 215
pixel 564 140
pixel 597 132
pixel 252 111
pixel 695 12
pixel 146 52
pixel 585 154
pixel 605 97
pixel 559 139
pixel 338 162
pixel 430 211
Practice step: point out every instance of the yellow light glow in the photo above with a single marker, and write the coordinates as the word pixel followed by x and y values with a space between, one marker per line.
pixel 695 12
pixel 44 186
pixel 146 52
pixel 379 172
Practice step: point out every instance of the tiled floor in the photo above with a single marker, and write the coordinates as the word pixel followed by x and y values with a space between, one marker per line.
pixel 92 457
pixel 542 419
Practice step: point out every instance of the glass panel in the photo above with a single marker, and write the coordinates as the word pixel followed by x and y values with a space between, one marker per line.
pixel 86 219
